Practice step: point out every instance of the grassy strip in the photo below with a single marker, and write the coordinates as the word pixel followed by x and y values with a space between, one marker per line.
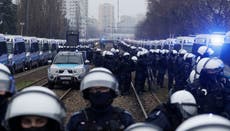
pixel 22 84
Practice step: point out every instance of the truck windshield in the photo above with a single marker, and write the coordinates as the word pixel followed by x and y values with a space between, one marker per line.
pixel 19 48
pixel 68 59
pixel 45 47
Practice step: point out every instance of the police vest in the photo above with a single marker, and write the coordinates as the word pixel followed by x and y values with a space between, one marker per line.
pixel 90 124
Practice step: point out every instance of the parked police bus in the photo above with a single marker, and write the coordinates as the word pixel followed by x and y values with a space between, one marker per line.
pixel 17 53
pixel 32 52
pixel 44 51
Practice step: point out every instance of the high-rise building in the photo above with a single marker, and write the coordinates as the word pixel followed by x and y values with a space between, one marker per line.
pixel 106 19
pixel 76 13
pixel 83 18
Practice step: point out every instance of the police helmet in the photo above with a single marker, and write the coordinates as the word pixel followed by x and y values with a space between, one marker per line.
pixel 204 50
pixel 186 103
pixel 182 51
pixel 214 64
pixel 174 52
pixel 99 78
pixel 133 47
pixel 141 126
pixel 193 75
pixel 117 50
pixel 126 54
pixel 109 53
pixel 101 69
pixel 166 51
pixel 7 82
pixel 189 56
pixel 157 51
pixel 134 58
pixel 113 50
pixel 205 122
pixel 139 53
pixel 162 51
pixel 35 101
pixel 98 50
pixel 153 50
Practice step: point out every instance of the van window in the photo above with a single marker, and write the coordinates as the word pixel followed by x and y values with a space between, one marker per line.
pixel 19 48
pixel 45 47
pixel 34 47
pixel 53 47
pixel 3 48
pixel 177 47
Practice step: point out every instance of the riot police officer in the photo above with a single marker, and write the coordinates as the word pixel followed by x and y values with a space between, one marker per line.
pixel 171 68
pixel 180 76
pixel 211 89
pixel 99 87
pixel 126 66
pixel 203 52
pixel 97 58
pixel 162 68
pixel 35 109
pixel 7 89
pixel 141 72
pixel 180 107
pixel 110 62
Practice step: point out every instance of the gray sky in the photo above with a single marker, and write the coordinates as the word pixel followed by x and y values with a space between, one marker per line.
pixel 127 7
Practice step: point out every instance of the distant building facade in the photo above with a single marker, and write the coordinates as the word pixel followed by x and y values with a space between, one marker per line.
pixel 106 19
pixel 76 13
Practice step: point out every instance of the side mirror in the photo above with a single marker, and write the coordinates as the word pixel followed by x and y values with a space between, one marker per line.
pixel 87 61
pixel 49 62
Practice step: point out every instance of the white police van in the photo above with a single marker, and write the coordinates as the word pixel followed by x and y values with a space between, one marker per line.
pixel 32 52
pixel 3 50
pixel 214 41
pixel 67 68
pixel 44 54
pixel 184 42
pixel 53 45
pixel 17 53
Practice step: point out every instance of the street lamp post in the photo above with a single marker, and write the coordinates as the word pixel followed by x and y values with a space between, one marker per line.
pixel 22 24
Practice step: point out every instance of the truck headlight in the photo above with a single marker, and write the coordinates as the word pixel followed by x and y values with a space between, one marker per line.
pixel 53 71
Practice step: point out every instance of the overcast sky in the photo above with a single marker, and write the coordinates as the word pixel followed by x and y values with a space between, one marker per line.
pixel 127 7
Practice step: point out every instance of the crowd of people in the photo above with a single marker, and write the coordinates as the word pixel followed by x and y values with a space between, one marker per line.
pixel 198 94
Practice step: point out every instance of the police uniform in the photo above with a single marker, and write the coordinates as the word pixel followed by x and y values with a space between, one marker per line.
pixel 166 117
pixel 113 119
pixel 170 115
pixel 100 87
